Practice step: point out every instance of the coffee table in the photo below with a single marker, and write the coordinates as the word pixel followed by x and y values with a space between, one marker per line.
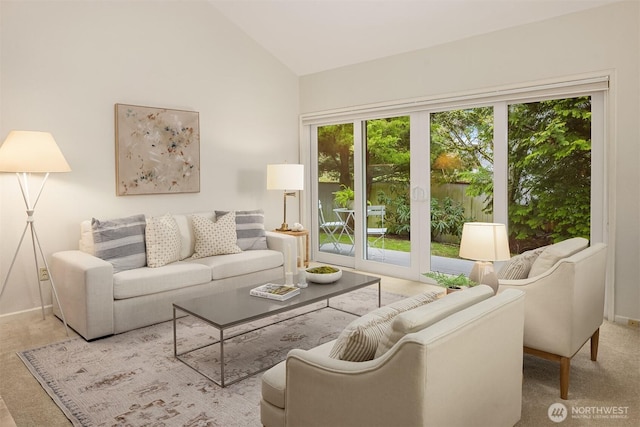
pixel 236 307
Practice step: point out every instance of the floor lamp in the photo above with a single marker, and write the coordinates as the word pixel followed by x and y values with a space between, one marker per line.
pixel 24 153
pixel 285 177
pixel 484 242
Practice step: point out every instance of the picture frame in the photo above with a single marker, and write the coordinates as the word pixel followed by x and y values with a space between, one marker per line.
pixel 157 150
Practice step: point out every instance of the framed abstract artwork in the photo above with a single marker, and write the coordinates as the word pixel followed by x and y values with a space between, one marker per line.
pixel 157 150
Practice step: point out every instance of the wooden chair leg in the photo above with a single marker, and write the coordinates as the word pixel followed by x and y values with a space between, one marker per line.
pixel 565 368
pixel 595 338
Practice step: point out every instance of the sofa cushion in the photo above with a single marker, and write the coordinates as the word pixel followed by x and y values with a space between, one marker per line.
pixel 223 266
pixel 249 229
pixel 146 281
pixel 518 267
pixel 120 241
pixel 187 235
pixel 162 238
pixel 421 317
pixel 554 253
pixel 85 244
pixel 215 237
pixel 359 340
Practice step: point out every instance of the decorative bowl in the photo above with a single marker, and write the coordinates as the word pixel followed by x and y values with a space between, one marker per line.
pixel 324 274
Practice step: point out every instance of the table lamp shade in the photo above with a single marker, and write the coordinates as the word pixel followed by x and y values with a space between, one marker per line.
pixel 285 177
pixel 30 151
pixel 483 241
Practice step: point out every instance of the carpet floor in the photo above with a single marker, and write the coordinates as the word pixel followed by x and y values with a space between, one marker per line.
pixel 133 378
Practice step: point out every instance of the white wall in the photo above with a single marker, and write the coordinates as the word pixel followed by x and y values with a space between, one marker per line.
pixel 63 66
pixel 605 38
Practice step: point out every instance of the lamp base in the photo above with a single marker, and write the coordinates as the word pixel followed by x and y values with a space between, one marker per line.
pixel 284 227
pixel 483 274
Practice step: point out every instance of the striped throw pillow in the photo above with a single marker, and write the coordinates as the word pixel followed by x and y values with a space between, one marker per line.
pixel 249 229
pixel 359 340
pixel 120 242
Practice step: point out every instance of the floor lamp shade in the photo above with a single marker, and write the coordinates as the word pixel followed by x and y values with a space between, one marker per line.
pixel 484 243
pixel 286 177
pixel 30 151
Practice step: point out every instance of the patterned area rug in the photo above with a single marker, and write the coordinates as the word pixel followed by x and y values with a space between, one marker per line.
pixel 133 379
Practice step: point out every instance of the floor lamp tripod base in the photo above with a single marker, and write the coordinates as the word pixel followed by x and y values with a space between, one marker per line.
pixel 36 248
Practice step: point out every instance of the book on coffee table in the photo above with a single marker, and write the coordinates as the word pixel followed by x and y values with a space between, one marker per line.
pixel 274 291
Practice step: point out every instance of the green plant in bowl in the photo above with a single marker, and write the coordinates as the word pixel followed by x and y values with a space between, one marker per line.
pixel 323 274
pixel 325 269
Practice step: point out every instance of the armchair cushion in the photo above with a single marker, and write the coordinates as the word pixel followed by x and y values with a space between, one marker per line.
pixel 421 317
pixel 555 253
pixel 359 340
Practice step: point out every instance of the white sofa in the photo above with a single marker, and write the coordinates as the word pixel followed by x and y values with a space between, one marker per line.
pixel 453 362
pixel 98 302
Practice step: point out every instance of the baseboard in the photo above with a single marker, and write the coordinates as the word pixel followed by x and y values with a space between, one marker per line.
pixel 48 309
pixel 627 321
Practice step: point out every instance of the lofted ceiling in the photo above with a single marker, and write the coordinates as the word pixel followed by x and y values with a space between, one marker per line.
pixel 310 36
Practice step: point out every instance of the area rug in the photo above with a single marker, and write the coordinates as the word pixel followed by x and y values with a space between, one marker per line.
pixel 133 378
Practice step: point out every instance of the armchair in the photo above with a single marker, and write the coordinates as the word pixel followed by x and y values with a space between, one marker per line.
pixel 465 369
pixel 564 308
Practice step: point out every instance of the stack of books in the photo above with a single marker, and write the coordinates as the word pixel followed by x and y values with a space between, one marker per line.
pixel 274 291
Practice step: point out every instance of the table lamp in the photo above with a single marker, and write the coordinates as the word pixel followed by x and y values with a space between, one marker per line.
pixel 484 243
pixel 27 152
pixel 285 177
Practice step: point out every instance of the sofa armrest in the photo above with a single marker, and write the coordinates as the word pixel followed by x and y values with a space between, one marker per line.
pixel 84 285
pixel 287 245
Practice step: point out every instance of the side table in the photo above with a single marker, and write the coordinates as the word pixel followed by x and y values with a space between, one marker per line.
pixel 304 259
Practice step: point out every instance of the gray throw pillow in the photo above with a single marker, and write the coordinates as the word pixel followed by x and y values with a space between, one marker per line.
pixel 121 241
pixel 518 267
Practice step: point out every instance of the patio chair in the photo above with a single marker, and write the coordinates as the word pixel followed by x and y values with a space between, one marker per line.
pixel 379 231
pixel 331 229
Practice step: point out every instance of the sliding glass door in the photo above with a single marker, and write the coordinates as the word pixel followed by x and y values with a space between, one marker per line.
pixel 392 191
pixel 461 160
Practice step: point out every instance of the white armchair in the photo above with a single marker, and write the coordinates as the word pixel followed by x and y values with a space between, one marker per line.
pixel 466 369
pixel 564 308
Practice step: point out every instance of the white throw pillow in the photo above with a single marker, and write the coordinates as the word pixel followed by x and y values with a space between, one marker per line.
pixel 163 241
pixel 249 229
pixel 215 237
